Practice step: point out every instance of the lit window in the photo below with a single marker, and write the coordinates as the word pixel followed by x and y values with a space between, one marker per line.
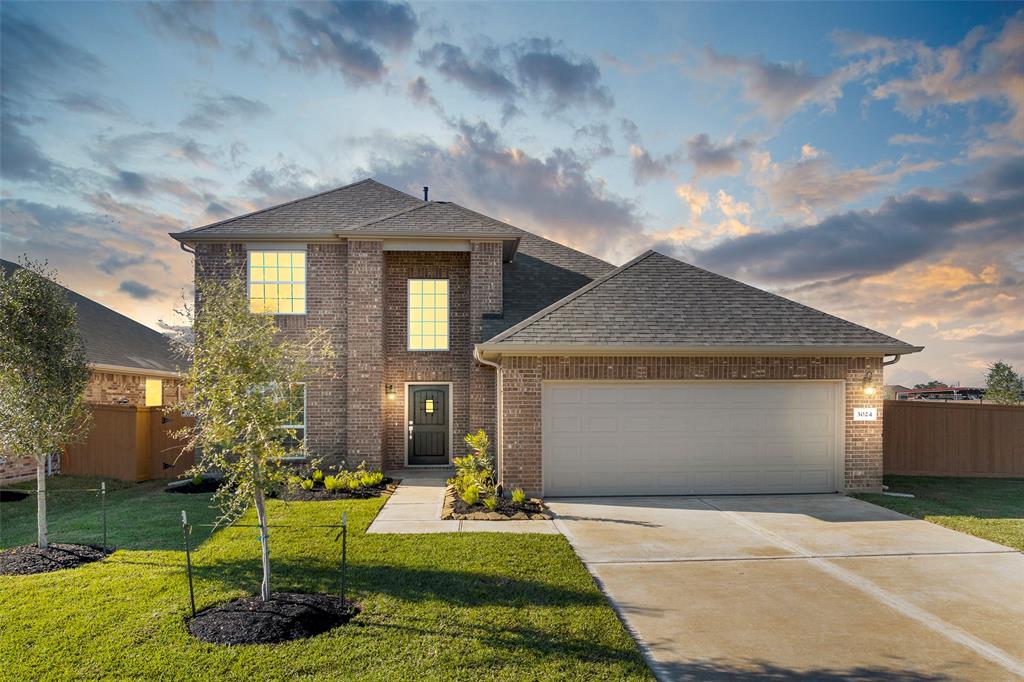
pixel 277 282
pixel 428 314
pixel 154 392
pixel 297 420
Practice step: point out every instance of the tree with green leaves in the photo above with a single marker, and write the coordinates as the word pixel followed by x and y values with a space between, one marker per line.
pixel 244 381
pixel 43 373
pixel 1003 385
pixel 931 384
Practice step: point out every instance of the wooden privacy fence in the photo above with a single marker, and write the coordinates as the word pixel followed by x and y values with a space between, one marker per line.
pixel 926 438
pixel 131 444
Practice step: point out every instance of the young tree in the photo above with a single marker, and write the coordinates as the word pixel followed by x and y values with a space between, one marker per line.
pixel 43 373
pixel 242 382
pixel 1003 385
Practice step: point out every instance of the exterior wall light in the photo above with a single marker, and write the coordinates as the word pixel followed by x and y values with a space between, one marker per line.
pixel 869 389
pixel 391 391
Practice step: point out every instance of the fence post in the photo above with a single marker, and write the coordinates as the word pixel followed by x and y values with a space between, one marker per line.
pixel 188 561
pixel 103 506
pixel 344 557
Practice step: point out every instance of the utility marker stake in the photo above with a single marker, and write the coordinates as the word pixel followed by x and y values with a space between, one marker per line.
pixel 185 531
pixel 344 558
pixel 103 506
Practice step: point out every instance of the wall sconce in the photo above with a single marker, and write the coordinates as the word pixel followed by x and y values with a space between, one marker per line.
pixel 869 389
pixel 390 391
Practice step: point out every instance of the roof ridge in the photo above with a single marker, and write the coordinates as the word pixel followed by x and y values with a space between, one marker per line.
pixel 567 299
pixel 389 216
pixel 289 203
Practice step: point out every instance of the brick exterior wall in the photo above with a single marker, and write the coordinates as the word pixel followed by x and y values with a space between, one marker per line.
pixel 485 298
pixel 522 379
pixel 402 365
pixel 365 351
pixel 104 388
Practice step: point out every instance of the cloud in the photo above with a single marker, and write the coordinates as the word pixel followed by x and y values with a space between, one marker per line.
pixel 696 200
pixel 419 91
pixel 212 112
pixel 646 168
pixel 710 159
pixel 284 182
pixel 115 263
pixel 597 140
pixel 559 78
pixel 1004 175
pixel 911 139
pixel 82 102
pixel 190 21
pixel 131 148
pixel 345 37
pixel 483 75
pixel 778 89
pixel 553 194
pixel 21 158
pixel 814 182
pixel 137 290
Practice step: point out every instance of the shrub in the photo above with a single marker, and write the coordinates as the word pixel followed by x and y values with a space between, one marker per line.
pixel 333 483
pixel 306 484
pixel 470 495
pixel 491 503
pixel 475 469
pixel 318 476
pixel 197 479
pixel 518 496
pixel 354 483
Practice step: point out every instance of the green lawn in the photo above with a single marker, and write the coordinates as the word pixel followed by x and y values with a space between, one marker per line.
pixel 463 606
pixel 990 508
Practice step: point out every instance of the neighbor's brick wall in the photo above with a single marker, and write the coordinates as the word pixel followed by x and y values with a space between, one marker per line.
pixel 522 379
pixel 485 298
pixel 365 350
pixel 402 365
pixel 326 308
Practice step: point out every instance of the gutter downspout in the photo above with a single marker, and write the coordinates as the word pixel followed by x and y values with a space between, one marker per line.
pixel 895 359
pixel 187 250
pixel 498 403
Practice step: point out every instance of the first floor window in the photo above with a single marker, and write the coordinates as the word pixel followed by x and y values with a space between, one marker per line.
pixel 428 314
pixel 277 282
pixel 154 392
pixel 296 416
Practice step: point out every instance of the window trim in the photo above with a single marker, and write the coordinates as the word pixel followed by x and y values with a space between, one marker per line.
pixel 408 315
pixel 305 417
pixel 278 249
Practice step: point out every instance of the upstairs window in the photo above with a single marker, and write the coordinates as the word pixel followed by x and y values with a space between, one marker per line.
pixel 428 314
pixel 277 282
pixel 154 392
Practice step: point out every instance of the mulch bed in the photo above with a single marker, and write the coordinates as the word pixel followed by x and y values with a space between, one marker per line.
pixel 287 616
pixel 208 485
pixel 12 496
pixel 29 559
pixel 319 494
pixel 454 508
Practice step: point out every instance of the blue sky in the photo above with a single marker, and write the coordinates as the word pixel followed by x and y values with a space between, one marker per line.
pixel 865 159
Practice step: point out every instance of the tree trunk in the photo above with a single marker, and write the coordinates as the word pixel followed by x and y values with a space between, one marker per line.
pixel 42 538
pixel 261 514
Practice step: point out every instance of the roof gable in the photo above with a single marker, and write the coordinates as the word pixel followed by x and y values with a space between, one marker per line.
pixel 657 301
pixel 111 338
pixel 433 218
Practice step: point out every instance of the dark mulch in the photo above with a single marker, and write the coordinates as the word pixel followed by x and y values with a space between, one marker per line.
pixel 30 559
pixel 506 507
pixel 296 494
pixel 12 496
pixel 208 485
pixel 287 616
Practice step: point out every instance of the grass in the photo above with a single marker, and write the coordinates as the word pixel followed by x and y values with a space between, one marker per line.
pixel 455 607
pixel 989 508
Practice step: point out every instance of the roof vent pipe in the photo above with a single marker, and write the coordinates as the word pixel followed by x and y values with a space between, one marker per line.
pixel 426 190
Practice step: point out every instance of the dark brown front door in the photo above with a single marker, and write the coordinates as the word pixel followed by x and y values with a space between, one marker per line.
pixel 428 424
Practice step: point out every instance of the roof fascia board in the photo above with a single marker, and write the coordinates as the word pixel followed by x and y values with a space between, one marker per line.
pixel 140 371
pixel 491 349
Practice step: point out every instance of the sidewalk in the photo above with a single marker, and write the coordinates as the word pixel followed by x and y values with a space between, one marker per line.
pixel 416 508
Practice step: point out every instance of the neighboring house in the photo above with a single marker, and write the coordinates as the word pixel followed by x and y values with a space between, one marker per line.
pixel 654 377
pixel 890 390
pixel 131 365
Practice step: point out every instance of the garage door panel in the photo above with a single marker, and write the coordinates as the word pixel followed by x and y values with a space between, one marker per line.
pixel 690 438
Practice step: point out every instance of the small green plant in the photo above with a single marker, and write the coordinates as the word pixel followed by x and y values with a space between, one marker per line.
pixel 475 469
pixel 295 481
pixel 372 479
pixel 491 503
pixel 306 484
pixel 470 495
pixel 333 483
pixel 518 496
pixel 197 479
pixel 354 484
pixel 318 476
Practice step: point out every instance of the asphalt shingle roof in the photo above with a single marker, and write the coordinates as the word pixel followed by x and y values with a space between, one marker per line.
pixel 655 300
pixel 433 217
pixel 110 338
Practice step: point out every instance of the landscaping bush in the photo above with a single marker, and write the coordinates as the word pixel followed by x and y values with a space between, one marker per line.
pixel 325 483
pixel 475 470
pixel 518 496
pixel 470 495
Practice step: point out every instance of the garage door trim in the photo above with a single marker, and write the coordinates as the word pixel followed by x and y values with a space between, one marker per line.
pixel 839 462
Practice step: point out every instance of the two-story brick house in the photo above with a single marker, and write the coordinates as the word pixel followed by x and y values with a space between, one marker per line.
pixel 653 377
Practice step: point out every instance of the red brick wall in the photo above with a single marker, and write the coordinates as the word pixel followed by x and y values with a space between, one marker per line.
pixel 365 351
pixel 522 379
pixel 485 287
pixel 402 365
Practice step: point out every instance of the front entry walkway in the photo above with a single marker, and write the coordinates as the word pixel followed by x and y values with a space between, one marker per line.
pixel 416 508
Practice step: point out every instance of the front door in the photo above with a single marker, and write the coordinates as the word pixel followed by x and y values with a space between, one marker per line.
pixel 428 424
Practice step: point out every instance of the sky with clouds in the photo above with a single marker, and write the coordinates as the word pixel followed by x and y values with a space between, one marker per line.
pixel 865 159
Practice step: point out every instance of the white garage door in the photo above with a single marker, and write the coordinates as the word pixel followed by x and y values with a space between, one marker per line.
pixel 667 438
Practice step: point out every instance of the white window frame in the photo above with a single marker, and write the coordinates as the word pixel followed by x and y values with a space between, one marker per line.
pixel 408 315
pixel 305 416
pixel 249 281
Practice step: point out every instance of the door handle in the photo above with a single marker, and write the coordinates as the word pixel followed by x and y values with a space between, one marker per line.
pixel 410 430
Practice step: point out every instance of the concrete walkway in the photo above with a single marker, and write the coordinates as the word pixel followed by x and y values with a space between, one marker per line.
pixel 416 508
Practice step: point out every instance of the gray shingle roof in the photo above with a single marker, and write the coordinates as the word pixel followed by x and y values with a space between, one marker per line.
pixel 433 218
pixel 658 301
pixel 320 214
pixel 110 338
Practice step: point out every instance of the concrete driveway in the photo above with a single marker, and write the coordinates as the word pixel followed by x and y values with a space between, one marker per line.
pixel 801 587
